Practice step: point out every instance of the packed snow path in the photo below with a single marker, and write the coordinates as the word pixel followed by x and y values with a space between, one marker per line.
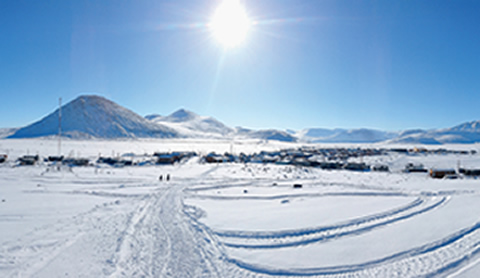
pixel 151 240
pixel 158 242
pixel 140 227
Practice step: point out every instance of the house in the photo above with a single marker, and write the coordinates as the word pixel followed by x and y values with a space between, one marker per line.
pixel 214 158
pixel 420 150
pixel 167 158
pixel 76 161
pixel 442 173
pixel 357 167
pixel 331 165
pixel 380 168
pixel 114 161
pixel 415 168
pixel 173 157
pixel 470 172
pixel 54 158
pixel 28 159
pixel 107 160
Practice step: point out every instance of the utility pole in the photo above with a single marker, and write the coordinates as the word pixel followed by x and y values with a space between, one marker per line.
pixel 59 127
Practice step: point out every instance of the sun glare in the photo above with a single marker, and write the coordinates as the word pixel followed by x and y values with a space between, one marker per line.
pixel 230 23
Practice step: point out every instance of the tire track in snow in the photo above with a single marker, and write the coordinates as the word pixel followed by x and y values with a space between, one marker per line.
pixel 299 195
pixel 321 234
pixel 430 260
pixel 299 232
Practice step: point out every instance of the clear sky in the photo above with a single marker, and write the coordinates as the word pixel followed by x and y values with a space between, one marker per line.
pixel 312 63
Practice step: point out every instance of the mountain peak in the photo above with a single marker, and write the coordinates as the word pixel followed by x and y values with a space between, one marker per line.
pixel 90 97
pixel 94 116
pixel 181 115
pixel 473 126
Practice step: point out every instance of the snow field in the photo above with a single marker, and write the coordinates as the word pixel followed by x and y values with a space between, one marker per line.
pixel 232 220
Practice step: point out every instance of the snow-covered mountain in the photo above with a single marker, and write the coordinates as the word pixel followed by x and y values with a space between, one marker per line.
pixel 190 124
pixel 473 126
pixel 363 135
pixel 265 134
pixel 94 116
pixel 5 132
pixel 466 133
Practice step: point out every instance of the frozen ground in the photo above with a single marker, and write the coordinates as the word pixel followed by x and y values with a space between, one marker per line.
pixel 233 220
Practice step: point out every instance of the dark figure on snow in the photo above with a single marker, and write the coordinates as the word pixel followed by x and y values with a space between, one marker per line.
pixel 160 178
pixel 168 177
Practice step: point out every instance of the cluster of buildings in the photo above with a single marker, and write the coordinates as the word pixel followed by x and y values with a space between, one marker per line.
pixel 431 151
pixel 329 158
pixel 323 158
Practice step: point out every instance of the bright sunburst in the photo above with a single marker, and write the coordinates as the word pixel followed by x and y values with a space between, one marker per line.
pixel 230 23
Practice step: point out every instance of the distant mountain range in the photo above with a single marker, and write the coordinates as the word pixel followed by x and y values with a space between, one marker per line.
pixel 93 116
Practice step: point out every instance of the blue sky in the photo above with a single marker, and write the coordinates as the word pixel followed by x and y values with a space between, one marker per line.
pixel 380 64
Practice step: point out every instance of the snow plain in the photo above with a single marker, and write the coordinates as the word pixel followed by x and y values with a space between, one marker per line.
pixel 233 220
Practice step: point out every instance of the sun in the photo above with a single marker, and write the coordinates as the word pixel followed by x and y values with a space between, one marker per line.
pixel 230 23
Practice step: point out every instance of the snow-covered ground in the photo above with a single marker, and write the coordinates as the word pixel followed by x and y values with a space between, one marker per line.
pixel 233 220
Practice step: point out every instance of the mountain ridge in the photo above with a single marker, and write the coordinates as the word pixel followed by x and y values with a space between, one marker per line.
pixel 92 116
